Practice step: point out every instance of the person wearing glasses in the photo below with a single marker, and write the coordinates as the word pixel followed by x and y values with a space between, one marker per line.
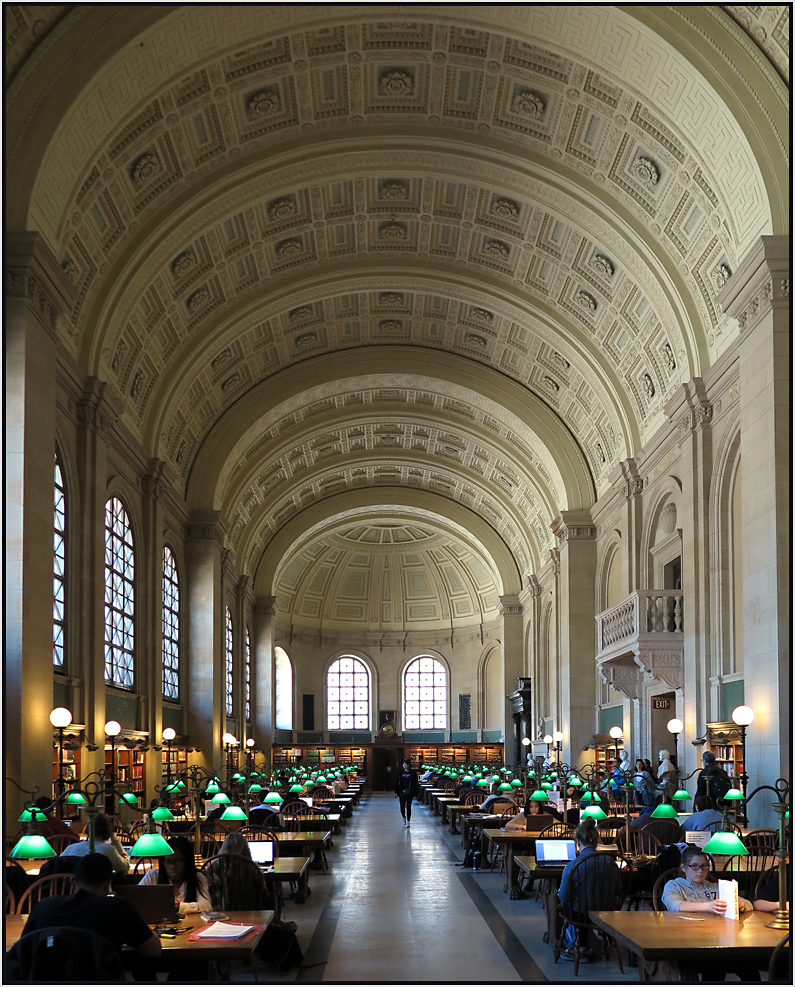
pixel 692 892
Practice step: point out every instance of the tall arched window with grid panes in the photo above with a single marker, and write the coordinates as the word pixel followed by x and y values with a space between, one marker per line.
pixel 170 626
pixel 348 695
pixel 248 675
pixel 59 571
pixel 119 597
pixel 230 671
pixel 425 695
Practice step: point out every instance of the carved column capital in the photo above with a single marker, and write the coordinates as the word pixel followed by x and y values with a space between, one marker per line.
pixel 265 606
pixel 99 406
pixel 207 526
pixel 573 525
pixel 33 277
pixel 760 283
pixel 510 606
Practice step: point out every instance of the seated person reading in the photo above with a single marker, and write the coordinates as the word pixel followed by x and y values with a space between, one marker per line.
pixel 692 892
pixel 519 821
pixel 104 842
pixel 179 870
pixel 767 899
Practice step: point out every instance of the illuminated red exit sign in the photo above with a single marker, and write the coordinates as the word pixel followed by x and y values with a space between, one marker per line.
pixel 661 704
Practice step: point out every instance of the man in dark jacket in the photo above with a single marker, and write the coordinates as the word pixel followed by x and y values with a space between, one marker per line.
pixel 407 788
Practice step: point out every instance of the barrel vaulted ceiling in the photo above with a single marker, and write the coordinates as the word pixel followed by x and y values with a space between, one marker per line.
pixel 462 253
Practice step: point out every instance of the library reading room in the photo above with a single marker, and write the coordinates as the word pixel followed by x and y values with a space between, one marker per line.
pixel 397 503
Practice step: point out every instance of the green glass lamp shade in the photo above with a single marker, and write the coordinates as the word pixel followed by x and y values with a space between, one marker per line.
pixel 725 845
pixel 531 774
pixel 181 786
pixel 595 813
pixel 32 847
pixel 234 812
pixel 546 785
pixel 212 789
pixel 237 776
pixel 467 779
pixel 682 796
pixel 273 798
pixel 172 789
pixel 505 787
pixel 575 782
pixel 221 798
pixel 664 811
pixel 151 845
pixel 495 777
pixel 483 783
pixel 129 798
pixel 553 775
pixel 516 783
pixel 253 789
pixel 539 795
pixel 28 814
pixel 733 794
pixel 321 780
pixel 590 797
pixel 297 788
pixel 162 814
pixel 309 786
pixel 75 798
pixel 292 781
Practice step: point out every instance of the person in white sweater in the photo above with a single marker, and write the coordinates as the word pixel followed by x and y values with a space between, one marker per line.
pixel 179 870
pixel 104 842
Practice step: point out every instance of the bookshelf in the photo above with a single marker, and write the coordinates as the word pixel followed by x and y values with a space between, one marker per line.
pixel 725 742
pixel 129 769
pixel 71 773
pixel 179 762
pixel 605 749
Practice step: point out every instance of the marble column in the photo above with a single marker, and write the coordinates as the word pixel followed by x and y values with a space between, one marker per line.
pixel 513 664
pixel 37 292
pixel 576 536
pixel 262 646
pixel 205 680
pixel 758 296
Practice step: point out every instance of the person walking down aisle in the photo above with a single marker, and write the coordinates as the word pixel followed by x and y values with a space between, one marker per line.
pixel 407 788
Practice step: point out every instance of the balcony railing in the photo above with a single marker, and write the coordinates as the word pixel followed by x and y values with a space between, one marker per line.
pixel 641 615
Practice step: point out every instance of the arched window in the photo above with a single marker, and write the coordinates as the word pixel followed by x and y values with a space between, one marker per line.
pixel 248 675
pixel 170 626
pixel 59 570
pixel 425 695
pixel 348 695
pixel 119 597
pixel 230 678
pixel 284 690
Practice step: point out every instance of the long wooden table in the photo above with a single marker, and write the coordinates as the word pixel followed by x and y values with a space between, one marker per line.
pixel 509 841
pixel 180 948
pixel 288 869
pixel 690 940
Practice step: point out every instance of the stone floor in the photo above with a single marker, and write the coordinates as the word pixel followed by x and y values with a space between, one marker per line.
pixel 395 907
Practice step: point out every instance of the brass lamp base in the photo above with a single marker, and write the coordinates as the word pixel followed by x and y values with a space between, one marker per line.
pixel 780 920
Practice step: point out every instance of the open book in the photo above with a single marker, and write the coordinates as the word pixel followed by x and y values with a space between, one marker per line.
pixel 728 892
pixel 223 930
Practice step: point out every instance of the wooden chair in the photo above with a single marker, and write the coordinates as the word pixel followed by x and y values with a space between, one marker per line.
pixel 761 839
pixel 747 870
pixel 237 884
pixel 472 798
pixel 645 846
pixel 717 827
pixel 779 969
pixel 659 886
pixel 45 887
pixel 262 836
pixel 557 829
pixel 609 829
pixel 292 822
pixel 11 901
pixel 505 815
pixel 216 829
pixel 597 884
pixel 763 879
pixel 61 841
pixel 320 792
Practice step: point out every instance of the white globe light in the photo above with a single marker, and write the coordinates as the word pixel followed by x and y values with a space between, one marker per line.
pixel 557 736
pixel 548 739
pixel 675 726
pixel 250 742
pixel 169 733
pixel 60 717
pixel 616 732
pixel 229 738
pixel 113 728
pixel 526 741
pixel 743 716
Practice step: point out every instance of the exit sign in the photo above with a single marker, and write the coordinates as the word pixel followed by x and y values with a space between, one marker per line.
pixel 661 704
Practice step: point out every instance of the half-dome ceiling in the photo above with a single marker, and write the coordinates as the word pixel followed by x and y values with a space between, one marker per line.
pixel 387 575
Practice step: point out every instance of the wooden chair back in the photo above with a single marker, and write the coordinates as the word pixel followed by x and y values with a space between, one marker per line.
pixel 473 798
pixel 779 969
pixel 761 839
pixel 557 829
pixel 320 792
pixel 61 841
pixel 254 835
pixel 643 844
pixel 236 883
pixel 509 813
pixel 659 887
pixel 763 879
pixel 609 828
pixel 717 827
pixel 11 901
pixel 45 887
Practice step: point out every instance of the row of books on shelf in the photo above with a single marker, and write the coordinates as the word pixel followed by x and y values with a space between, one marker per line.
pixel 723 752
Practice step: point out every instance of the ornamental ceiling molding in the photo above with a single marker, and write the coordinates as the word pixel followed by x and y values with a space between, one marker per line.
pixel 251 531
pixel 486 472
pixel 585 34
pixel 452 406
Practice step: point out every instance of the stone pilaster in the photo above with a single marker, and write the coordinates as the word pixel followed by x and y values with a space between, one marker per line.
pixel 262 646
pixel 204 546
pixel 576 534
pixel 758 297
pixel 37 293
pixel 512 651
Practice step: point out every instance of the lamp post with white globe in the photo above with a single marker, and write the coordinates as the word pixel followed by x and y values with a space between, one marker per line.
pixel 60 718
pixel 743 716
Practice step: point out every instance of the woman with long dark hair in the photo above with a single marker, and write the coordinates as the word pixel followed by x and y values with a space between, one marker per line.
pixel 179 870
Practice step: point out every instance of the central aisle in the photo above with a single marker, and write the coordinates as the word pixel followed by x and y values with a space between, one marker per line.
pixel 399 909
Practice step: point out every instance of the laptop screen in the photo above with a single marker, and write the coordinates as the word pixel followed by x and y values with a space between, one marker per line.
pixel 261 851
pixel 555 851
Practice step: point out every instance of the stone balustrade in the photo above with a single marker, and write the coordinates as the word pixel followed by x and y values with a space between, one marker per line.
pixel 655 611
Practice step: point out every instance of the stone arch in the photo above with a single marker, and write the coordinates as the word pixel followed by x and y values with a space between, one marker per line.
pixel 609 555
pixel 665 513
pixel 372 671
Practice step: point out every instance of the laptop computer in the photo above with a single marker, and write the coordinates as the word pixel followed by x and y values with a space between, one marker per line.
pixel 555 853
pixel 155 903
pixel 262 853
pixel 535 824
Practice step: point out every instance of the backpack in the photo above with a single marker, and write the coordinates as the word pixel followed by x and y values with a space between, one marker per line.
pixel 279 946
pixel 472 853
pixel 719 784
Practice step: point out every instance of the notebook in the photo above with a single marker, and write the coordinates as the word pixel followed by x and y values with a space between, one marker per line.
pixel 555 853
pixel 262 852
pixel 155 903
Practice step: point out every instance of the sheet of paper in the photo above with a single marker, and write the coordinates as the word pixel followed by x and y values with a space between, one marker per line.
pixel 728 891
pixel 697 838
pixel 222 930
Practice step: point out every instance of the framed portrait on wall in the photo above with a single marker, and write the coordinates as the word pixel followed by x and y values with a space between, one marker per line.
pixel 386 722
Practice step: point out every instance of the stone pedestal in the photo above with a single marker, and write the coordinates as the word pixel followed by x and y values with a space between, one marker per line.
pixel 512 628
